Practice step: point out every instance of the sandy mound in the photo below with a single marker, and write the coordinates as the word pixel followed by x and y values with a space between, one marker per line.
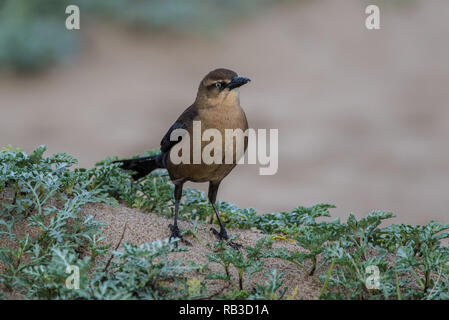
pixel 124 224
pixel 144 227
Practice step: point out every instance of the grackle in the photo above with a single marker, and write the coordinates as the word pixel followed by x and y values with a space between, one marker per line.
pixel 217 106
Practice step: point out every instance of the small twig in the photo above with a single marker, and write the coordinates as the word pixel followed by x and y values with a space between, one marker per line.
pixel 398 289
pixel 434 286
pixel 327 279
pixel 118 245
pixel 215 294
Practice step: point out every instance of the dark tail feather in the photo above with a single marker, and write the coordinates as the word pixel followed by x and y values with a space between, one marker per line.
pixel 142 166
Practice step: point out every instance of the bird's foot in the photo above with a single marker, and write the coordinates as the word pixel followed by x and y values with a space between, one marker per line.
pixel 176 233
pixel 223 235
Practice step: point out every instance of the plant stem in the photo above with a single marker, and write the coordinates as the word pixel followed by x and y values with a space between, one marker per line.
pixel 327 279
pixel 398 290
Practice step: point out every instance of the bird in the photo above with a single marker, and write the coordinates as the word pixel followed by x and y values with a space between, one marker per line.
pixel 216 106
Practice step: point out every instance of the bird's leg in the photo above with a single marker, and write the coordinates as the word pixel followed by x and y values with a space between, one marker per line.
pixel 222 235
pixel 175 232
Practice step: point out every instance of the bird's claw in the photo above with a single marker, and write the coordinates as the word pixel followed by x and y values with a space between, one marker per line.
pixel 223 235
pixel 176 233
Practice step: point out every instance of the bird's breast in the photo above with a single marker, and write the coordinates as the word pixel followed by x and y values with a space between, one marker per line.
pixel 220 119
pixel 224 117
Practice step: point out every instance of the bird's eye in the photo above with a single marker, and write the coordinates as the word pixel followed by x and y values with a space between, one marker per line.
pixel 218 85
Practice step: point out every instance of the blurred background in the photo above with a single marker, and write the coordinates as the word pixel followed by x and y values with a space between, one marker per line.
pixel 363 115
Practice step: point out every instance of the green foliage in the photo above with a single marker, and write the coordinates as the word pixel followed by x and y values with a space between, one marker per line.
pixel 246 265
pixel 47 196
pixel 310 235
pixel 144 272
pixel 408 267
pixel 272 288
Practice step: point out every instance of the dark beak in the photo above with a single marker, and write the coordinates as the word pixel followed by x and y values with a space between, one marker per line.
pixel 237 82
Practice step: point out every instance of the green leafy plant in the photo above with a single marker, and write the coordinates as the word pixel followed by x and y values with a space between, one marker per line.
pixel 356 259
pixel 246 265
pixel 271 290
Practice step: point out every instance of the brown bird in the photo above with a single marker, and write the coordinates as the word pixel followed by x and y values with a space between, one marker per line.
pixel 217 106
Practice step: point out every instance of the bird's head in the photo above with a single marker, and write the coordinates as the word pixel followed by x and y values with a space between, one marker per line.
pixel 220 85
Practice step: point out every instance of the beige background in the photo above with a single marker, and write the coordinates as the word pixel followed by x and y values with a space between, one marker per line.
pixel 363 116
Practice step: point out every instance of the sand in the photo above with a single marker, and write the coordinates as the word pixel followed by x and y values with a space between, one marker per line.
pixel 144 227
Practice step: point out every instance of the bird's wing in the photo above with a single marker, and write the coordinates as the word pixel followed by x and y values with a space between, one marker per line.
pixel 184 121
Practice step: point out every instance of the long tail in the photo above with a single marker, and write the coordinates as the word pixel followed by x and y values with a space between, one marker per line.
pixel 142 166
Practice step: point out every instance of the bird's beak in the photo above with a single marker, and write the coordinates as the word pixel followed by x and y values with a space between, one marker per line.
pixel 237 82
